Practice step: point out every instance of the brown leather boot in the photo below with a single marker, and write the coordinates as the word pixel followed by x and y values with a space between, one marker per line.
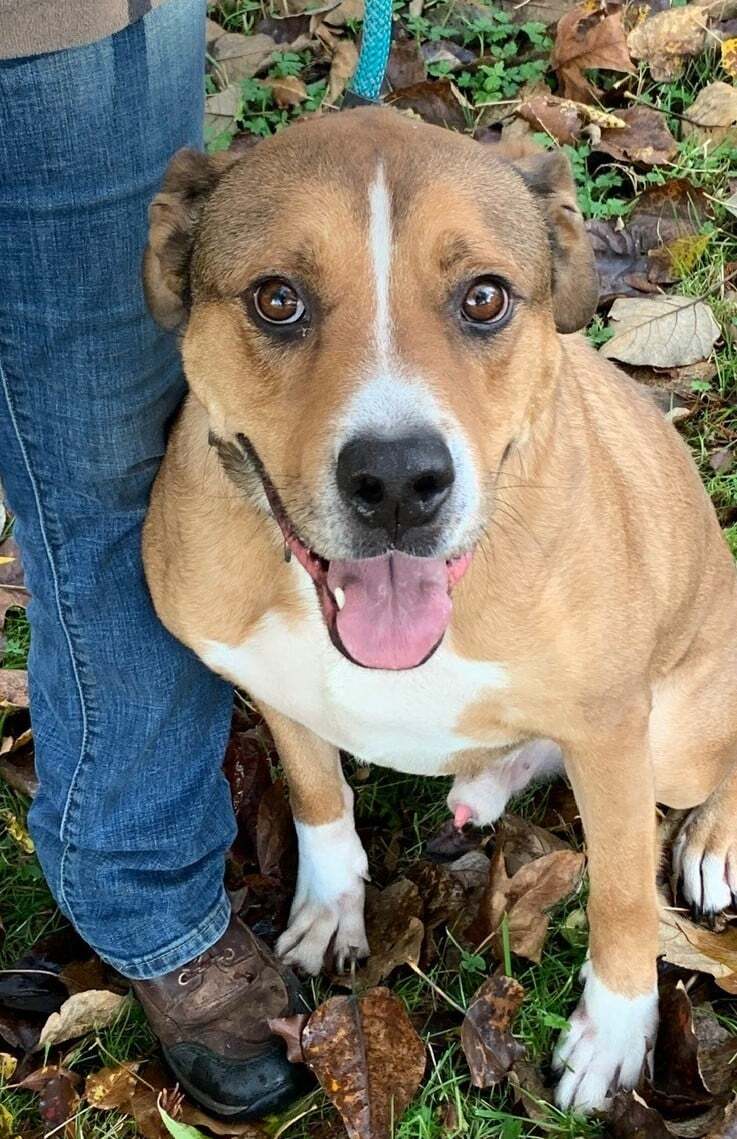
pixel 210 1017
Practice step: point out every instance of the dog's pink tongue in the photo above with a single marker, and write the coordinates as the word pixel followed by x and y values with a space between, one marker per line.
pixel 396 608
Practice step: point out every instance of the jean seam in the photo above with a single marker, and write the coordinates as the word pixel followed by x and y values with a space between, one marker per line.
pixel 181 951
pixel 42 523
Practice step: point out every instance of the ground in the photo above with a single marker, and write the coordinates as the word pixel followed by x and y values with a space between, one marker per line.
pixel 467 66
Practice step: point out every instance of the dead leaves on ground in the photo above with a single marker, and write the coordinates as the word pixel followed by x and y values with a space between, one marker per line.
pixel 488 1045
pixel 368 1058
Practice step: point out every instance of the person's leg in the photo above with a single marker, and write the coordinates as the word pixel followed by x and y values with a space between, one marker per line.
pixel 133 815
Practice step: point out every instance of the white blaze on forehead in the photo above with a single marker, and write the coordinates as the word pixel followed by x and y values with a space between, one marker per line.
pixel 380 247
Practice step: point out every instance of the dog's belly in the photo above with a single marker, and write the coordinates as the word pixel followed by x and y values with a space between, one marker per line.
pixel 404 720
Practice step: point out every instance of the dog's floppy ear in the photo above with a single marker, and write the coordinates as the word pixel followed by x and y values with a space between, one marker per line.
pixel 189 180
pixel 575 280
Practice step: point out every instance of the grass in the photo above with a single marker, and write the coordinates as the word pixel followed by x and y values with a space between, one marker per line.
pixel 446 1105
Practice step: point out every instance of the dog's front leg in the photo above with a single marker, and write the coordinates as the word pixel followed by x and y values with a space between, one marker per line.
pixel 612 1031
pixel 328 902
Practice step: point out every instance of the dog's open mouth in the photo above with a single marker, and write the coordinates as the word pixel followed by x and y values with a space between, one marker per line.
pixel 388 612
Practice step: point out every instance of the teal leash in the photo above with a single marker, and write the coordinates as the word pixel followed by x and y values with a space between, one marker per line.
pixel 365 87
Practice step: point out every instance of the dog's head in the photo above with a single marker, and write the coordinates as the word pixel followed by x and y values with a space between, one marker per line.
pixel 370 309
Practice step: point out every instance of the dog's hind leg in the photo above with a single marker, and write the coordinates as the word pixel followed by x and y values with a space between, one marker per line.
pixel 328 902
pixel 481 796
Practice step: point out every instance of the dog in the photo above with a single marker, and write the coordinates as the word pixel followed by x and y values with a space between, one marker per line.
pixel 420 521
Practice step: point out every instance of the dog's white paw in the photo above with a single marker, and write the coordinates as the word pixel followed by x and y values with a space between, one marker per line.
pixel 606 1046
pixel 328 903
pixel 481 798
pixel 706 864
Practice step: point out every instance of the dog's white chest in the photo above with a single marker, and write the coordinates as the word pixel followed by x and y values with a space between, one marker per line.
pixel 405 720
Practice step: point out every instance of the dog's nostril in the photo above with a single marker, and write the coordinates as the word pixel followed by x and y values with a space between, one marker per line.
pixel 427 486
pixel 368 490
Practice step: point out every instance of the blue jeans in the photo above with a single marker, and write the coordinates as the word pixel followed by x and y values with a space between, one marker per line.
pixel 133 815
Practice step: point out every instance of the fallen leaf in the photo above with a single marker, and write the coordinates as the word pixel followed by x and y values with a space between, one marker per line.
pixel 276 841
pixel 712 117
pixel 678 258
pixel 19 771
pixel 631 1118
pixel 368 1059
pixel 530 1091
pixel 442 893
pixel 729 56
pixel 406 64
pixel 526 898
pixel 342 66
pixel 222 108
pixel 677 1082
pixel 436 101
pixel 338 15
pixel 80 1014
pixel 620 262
pixel 177 1129
pixel 559 118
pixel 691 946
pixel 589 39
pixel 8 1064
pixel 667 39
pixel 58 1101
pixel 241 57
pixel 645 139
pixel 7 1123
pixel 394 930
pixel 11 562
pixel 288 92
pixel 16 830
pixel 662 331
pixel 488 1045
pixel 19 1030
pixel 727 1129
pixel 156 1086
pixel 111 1088
pixel 666 213
pixel 449 842
pixel 290 1028
pixel 13 688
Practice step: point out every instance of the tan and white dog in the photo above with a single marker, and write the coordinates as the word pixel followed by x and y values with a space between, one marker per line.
pixel 495 539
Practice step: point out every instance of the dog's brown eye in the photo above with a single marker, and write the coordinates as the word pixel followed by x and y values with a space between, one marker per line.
pixel 278 302
pixel 486 302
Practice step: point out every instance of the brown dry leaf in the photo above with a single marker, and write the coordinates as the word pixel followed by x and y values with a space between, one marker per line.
pixel 678 1084
pixel 58 1101
pixel 111 1088
pixel 693 947
pixel 240 57
pixel 664 214
pixel 563 119
pixel 13 688
pixel 276 842
pixel 222 108
pixel 288 92
pixel 436 101
pixel 290 1028
pixel 343 64
pixel 712 117
pixel 661 331
pixel 589 36
pixel 530 1091
pixel 406 64
pixel 645 140
pixel 142 1106
pixel 488 1045
pixel 543 11
pixel 727 1128
pixel 394 930
pixel 11 562
pixel 729 56
pixel 368 1059
pixel 80 1014
pixel 620 262
pixel 667 39
pixel 527 897
pixel 631 1118
pixel 338 15
pixel 17 768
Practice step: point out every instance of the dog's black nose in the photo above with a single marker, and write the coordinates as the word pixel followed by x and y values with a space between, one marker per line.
pixel 396 484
